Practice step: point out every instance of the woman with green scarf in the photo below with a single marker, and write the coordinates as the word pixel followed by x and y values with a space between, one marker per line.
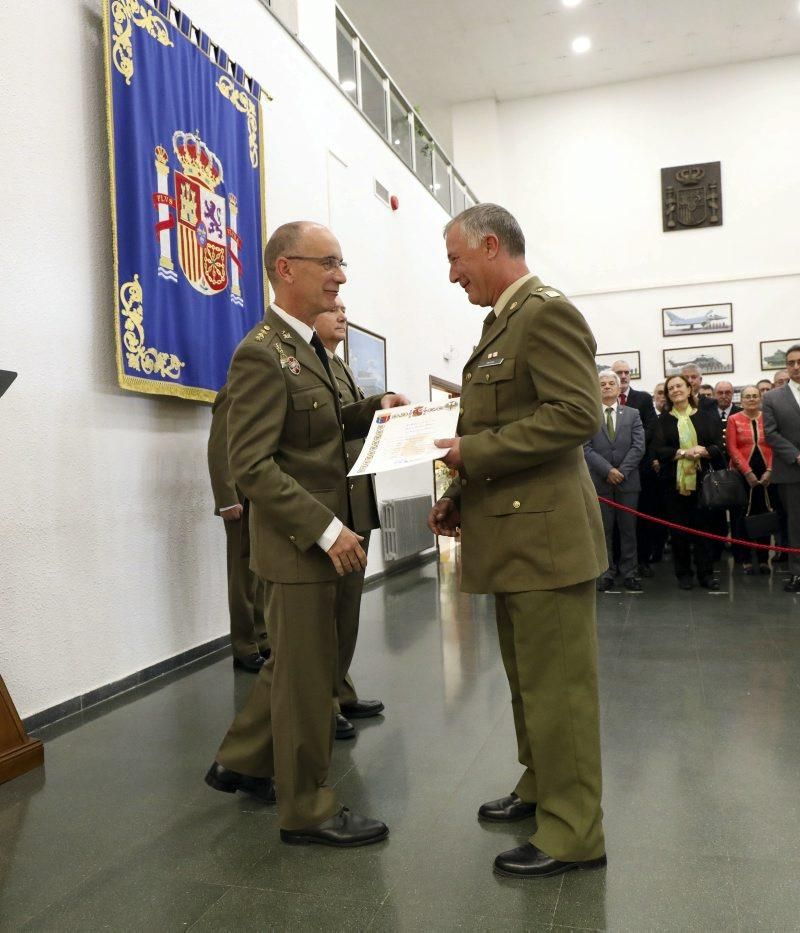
pixel 686 441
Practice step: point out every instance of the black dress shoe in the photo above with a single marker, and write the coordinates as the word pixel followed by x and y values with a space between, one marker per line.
pixel 633 584
pixel 230 781
pixel 526 861
pixel 604 584
pixel 709 583
pixel 506 810
pixel 342 829
pixel 363 709
pixel 251 663
pixel 792 585
pixel 344 728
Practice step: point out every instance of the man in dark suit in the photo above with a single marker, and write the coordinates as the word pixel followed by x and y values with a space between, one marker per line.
pixel 694 376
pixel 613 455
pixel 781 408
pixel 332 329
pixel 723 393
pixel 286 448
pixel 647 541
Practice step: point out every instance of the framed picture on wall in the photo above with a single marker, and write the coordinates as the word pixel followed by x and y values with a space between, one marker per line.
pixel 712 360
pixel 605 360
pixel 697 319
pixel 365 354
pixel 773 353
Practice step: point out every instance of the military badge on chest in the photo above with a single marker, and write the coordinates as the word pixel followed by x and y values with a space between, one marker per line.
pixel 287 362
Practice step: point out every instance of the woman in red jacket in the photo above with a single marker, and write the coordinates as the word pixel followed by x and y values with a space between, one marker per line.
pixel 752 457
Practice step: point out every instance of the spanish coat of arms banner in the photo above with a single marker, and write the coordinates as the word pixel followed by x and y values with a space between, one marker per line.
pixel 185 133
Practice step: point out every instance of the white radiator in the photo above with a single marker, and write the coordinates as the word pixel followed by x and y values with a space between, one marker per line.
pixel 404 527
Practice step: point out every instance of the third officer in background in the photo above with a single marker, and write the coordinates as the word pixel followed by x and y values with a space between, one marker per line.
pixel 332 329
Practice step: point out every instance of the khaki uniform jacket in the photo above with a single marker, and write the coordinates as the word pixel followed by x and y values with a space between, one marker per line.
pixel 530 519
pixel 363 503
pixel 222 484
pixel 286 450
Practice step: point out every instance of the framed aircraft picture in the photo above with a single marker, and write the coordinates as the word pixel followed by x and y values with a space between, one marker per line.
pixel 697 319
pixel 773 353
pixel 604 361
pixel 713 360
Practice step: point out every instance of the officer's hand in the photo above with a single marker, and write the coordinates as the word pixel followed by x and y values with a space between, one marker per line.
pixel 233 514
pixel 615 477
pixel 444 518
pixel 394 400
pixel 453 457
pixel 347 554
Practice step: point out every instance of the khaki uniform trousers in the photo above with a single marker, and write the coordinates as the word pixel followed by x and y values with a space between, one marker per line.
pixel 285 729
pixel 349 614
pixel 245 598
pixel 548 641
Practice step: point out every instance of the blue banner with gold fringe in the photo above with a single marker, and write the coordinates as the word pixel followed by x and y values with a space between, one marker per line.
pixel 185 136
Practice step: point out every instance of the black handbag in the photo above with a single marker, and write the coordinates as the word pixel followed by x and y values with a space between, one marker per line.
pixel 763 525
pixel 722 489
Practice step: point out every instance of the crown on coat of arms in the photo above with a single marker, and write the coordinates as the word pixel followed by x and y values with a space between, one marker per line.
pixel 197 159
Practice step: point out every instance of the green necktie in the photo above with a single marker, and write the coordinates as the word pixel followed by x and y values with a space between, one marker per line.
pixel 610 423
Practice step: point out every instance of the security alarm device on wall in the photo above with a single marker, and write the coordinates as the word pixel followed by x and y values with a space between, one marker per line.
pixel 6 378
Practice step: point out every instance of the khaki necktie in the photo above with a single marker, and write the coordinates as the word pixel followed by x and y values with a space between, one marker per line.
pixel 610 423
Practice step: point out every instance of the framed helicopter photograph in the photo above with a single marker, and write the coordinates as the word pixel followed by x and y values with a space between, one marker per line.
pixel 697 319
pixel 712 360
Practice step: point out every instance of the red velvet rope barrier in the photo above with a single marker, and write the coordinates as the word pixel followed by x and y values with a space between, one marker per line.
pixel 695 531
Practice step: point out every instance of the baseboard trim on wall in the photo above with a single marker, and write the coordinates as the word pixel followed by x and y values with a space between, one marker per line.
pixel 138 679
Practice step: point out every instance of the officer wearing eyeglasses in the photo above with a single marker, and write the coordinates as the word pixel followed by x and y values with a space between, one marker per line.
pixel 286 446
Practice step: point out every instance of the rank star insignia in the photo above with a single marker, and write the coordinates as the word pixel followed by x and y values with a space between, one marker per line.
pixel 286 335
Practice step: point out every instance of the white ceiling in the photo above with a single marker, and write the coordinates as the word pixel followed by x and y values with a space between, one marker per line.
pixel 449 51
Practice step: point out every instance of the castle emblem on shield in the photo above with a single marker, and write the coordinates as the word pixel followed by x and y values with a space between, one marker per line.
pixel 208 247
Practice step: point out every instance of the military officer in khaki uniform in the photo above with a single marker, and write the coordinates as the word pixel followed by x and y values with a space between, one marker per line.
pixel 286 448
pixel 332 328
pixel 531 533
pixel 245 591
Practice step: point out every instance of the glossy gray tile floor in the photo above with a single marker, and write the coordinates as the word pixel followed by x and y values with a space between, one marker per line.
pixel 701 729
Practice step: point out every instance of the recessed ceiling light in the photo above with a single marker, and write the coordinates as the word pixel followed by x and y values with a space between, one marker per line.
pixel 581 44
pixel 348 85
pixel 570 3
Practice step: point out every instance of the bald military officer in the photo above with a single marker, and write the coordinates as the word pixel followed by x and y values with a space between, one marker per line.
pixel 532 533
pixel 332 329
pixel 286 447
pixel 245 591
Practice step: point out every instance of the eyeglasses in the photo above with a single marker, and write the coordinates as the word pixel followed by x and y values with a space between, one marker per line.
pixel 328 263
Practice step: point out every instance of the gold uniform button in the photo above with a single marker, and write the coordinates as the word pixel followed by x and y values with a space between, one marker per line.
pixel 291 537
pixel 468 377
pixel 314 405
pixel 461 411
pixel 488 377
pixel 352 486
pixel 516 503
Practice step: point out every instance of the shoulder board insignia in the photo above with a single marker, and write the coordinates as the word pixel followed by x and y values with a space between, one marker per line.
pixel 549 292
pixel 265 329
pixel 286 335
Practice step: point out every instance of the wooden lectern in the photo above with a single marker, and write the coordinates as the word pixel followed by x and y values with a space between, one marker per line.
pixel 18 753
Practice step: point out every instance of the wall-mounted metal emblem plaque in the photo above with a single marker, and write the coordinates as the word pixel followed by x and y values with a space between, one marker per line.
pixel 691 196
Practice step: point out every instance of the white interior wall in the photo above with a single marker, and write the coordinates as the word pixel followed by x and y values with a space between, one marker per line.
pixel 111 558
pixel 581 171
